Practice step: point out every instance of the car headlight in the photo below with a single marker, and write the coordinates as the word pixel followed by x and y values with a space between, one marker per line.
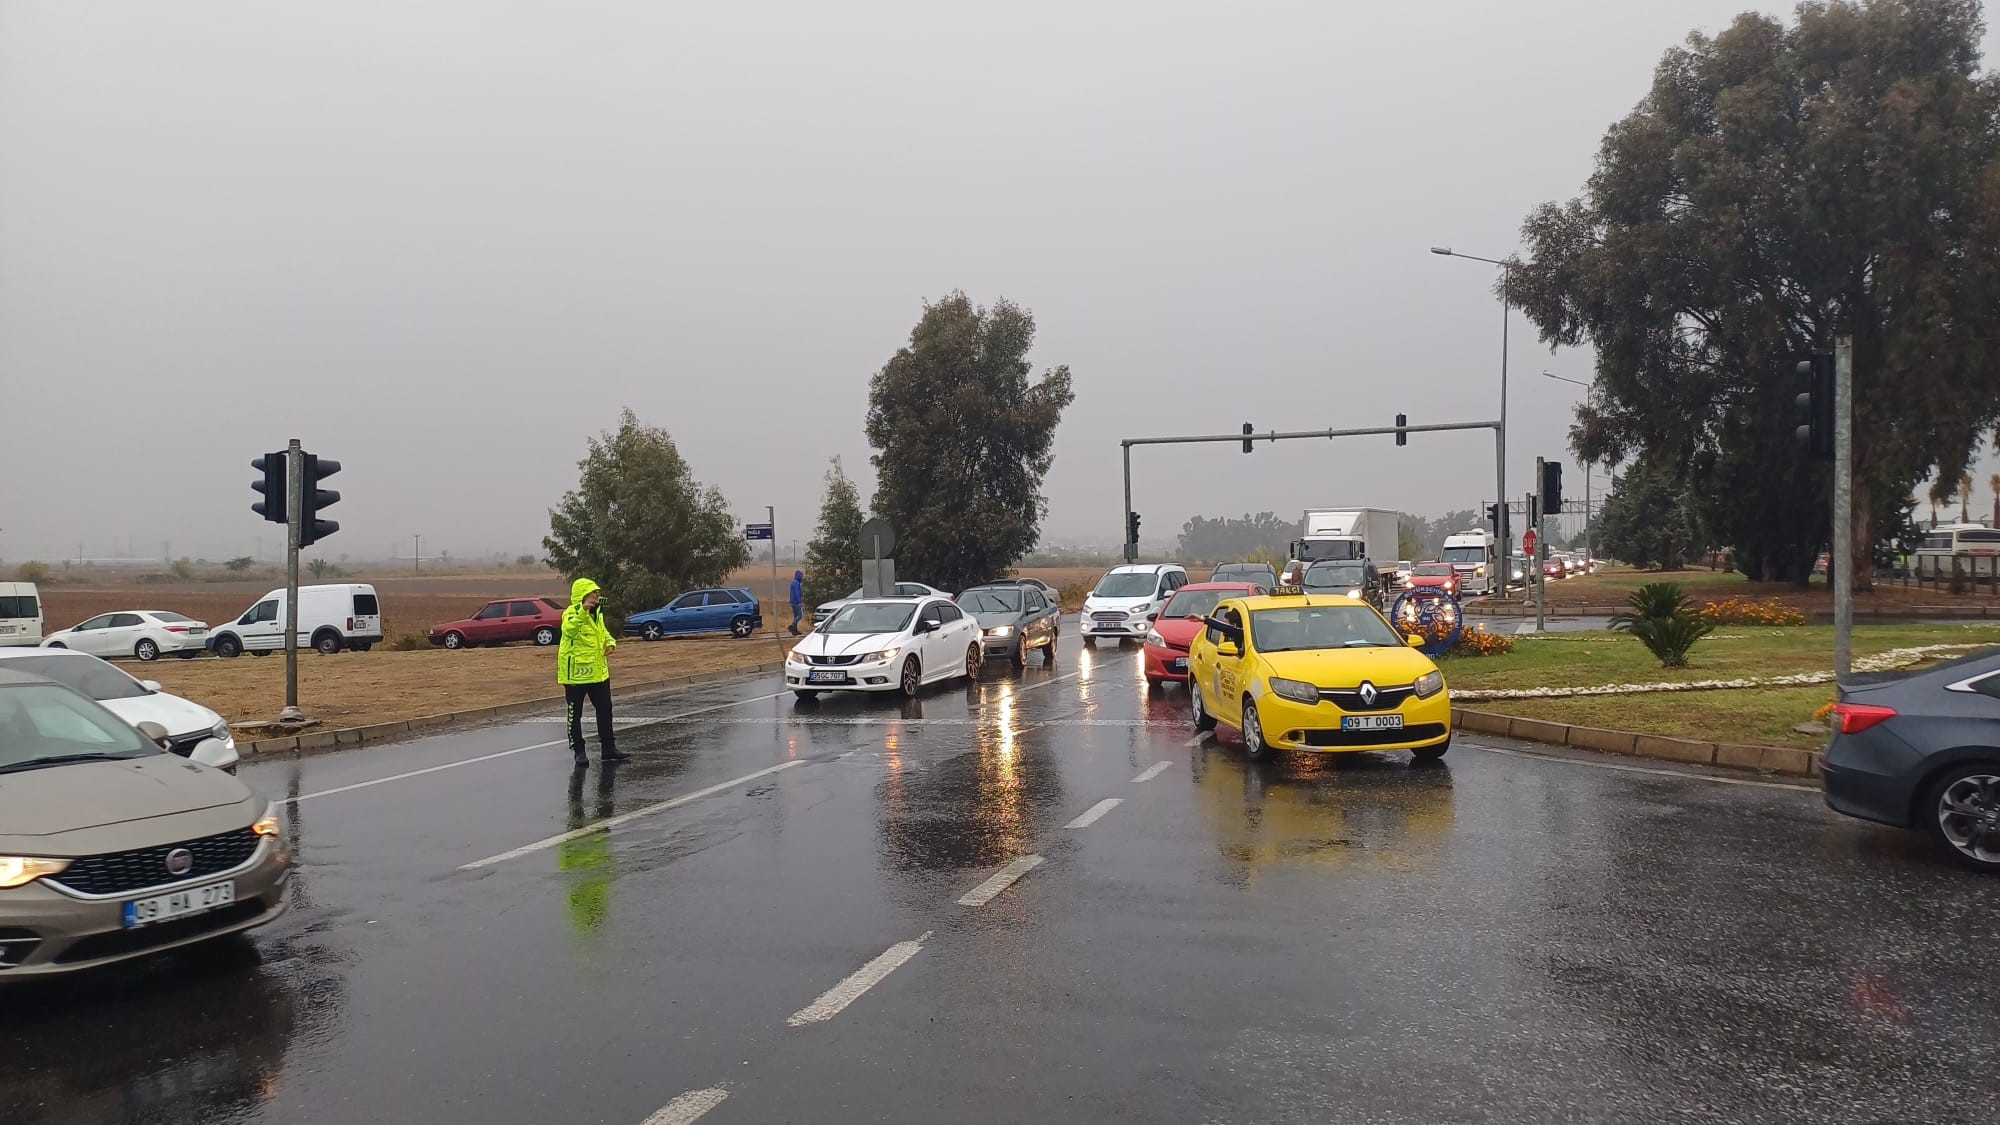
pixel 268 824
pixel 1355 592
pixel 1000 631
pixel 220 731
pixel 1479 572
pixel 20 870
pixel 878 657
pixel 1140 610
pixel 1298 691
pixel 1154 638
pixel 1429 684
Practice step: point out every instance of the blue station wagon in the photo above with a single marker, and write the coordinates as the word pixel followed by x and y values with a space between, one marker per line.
pixel 719 610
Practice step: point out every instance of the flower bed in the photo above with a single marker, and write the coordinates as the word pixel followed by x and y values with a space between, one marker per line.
pixel 1883 662
pixel 1752 611
pixel 1476 641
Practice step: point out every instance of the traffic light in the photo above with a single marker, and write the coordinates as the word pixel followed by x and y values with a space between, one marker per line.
pixel 1552 488
pixel 1131 527
pixel 1816 405
pixel 1402 435
pixel 1493 518
pixel 1248 429
pixel 316 499
pixel 272 488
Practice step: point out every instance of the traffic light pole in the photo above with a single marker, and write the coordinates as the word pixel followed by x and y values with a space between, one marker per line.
pixel 1535 556
pixel 1843 507
pixel 295 487
pixel 1131 548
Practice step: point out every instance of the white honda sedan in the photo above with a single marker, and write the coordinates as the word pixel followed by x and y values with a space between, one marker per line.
pixel 145 633
pixel 193 731
pixel 885 644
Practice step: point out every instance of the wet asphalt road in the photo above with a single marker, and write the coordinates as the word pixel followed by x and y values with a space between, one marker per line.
pixel 1512 936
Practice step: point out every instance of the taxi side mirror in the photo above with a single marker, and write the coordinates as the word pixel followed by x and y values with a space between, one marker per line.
pixel 1413 640
pixel 1227 647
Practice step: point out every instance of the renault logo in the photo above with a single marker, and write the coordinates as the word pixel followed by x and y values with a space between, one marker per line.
pixel 1368 694
pixel 180 861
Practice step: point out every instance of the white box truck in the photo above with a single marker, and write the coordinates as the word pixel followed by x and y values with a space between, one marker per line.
pixel 1347 533
pixel 1472 555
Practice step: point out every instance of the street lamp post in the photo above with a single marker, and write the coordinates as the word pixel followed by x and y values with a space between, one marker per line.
pixel 1500 431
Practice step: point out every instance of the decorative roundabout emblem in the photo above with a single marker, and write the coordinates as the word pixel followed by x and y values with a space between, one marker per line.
pixel 1430 613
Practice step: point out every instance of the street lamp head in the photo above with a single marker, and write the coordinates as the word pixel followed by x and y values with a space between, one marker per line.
pixel 1445 250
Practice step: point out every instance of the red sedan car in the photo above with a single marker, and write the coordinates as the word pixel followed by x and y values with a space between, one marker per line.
pixel 1174 630
pixel 1436 575
pixel 510 619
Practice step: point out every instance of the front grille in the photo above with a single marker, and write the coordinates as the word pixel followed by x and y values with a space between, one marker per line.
pixel 1386 698
pixel 1421 732
pixel 147 867
pixel 184 744
pixel 1108 618
pixel 120 942
pixel 835 661
pixel 16 946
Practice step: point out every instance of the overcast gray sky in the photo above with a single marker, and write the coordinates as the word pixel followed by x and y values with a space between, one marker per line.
pixel 444 242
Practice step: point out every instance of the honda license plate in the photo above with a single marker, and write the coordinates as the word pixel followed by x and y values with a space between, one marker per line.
pixel 1371 722
pixel 180 904
pixel 1180 664
pixel 825 676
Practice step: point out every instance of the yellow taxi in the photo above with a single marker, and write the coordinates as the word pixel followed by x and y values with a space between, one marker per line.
pixel 1316 672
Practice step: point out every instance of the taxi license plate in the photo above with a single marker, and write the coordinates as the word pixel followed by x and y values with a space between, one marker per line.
pixel 1371 722
pixel 825 676
pixel 180 904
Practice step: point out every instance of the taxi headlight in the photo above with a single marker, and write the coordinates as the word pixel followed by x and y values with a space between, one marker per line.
pixel 20 870
pixel 1298 691
pixel 1429 684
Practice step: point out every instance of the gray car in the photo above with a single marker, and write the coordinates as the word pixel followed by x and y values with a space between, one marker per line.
pixel 1015 619
pixel 1922 750
pixel 1259 574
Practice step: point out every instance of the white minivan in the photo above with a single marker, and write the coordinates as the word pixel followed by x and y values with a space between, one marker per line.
pixel 1127 599
pixel 20 614
pixel 331 617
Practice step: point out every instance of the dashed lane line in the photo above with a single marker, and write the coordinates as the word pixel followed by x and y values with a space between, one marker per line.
pixel 689 1107
pixel 1151 772
pixel 1002 879
pixel 834 999
pixel 1096 811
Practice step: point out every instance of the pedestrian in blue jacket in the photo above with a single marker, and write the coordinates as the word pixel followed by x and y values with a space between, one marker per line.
pixel 798 599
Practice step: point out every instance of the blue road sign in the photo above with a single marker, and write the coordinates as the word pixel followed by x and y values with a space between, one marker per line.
pixel 756 531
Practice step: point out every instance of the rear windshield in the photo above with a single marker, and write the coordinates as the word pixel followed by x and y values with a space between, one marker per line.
pixel 87 674
pixel 364 606
pixel 170 615
pixel 19 605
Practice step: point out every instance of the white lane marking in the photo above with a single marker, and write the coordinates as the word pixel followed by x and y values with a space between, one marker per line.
pixel 1096 810
pixel 1151 772
pixel 626 818
pixel 1048 682
pixel 898 721
pixel 866 977
pixel 689 1107
pixel 1001 880
pixel 500 754
pixel 1622 768
pixel 1197 740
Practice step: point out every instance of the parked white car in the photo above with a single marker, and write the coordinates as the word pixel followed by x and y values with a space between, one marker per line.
pixel 147 634
pixel 903 590
pixel 193 731
pixel 1127 599
pixel 886 644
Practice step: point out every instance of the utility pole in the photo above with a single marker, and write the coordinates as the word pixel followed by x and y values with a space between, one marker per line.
pixel 1843 507
pixel 419 549
pixel 295 486
pixel 1538 571
pixel 771 517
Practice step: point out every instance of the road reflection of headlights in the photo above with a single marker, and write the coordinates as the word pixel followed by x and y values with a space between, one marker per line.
pixel 1298 691
pixel 1429 684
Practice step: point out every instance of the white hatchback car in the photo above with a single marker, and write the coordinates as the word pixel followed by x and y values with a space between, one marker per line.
pixel 193 731
pixel 886 644
pixel 145 633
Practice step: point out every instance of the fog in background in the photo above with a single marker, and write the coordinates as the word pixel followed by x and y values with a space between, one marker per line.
pixel 446 242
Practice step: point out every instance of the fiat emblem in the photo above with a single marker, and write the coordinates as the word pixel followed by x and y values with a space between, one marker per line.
pixel 180 861
pixel 1368 694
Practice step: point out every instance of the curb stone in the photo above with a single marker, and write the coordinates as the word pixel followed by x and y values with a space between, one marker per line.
pixel 401 729
pixel 1786 760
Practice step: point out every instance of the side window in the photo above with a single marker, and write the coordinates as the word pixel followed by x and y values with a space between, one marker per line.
pixel 100 621
pixel 1227 616
pixel 523 609
pixel 721 598
pixel 1987 685
pixel 934 613
pixel 262 612
pixel 951 613
pixel 687 601
pixel 1033 600
pixel 124 620
pixel 488 613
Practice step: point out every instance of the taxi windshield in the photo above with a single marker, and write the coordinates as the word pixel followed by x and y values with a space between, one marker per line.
pixel 1295 628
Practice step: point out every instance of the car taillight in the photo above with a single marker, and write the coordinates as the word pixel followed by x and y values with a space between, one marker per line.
pixel 1857 717
pixel 350 624
pixel 177 628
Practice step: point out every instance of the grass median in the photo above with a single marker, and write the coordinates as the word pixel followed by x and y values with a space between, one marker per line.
pixel 1764 715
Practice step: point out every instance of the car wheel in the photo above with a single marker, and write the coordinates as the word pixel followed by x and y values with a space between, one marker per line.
pixel 228 647
pixel 55 644
pixel 973 657
pixel 1090 642
pixel 1964 813
pixel 739 628
pixel 1155 685
pixel 652 631
pixel 1049 652
pixel 1203 721
pixel 328 643
pixel 146 650
pixel 545 636
pixel 1254 746
pixel 913 678
pixel 1429 753
pixel 1019 657
pixel 454 640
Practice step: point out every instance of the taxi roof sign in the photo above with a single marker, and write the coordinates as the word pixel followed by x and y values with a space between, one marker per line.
pixel 1288 592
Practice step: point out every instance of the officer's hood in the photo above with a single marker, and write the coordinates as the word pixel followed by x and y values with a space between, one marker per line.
pixel 581 589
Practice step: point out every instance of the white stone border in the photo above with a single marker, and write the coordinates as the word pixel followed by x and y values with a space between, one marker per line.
pixel 1881 662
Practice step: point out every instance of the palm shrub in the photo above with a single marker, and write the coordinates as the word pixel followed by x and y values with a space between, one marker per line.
pixel 1671 638
pixel 1655 601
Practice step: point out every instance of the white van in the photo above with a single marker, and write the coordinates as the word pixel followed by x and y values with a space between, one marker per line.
pixel 1127 599
pixel 20 614
pixel 331 618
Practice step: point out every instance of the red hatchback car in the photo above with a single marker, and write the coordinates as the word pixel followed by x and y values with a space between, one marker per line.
pixel 1439 575
pixel 1174 630
pixel 510 619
